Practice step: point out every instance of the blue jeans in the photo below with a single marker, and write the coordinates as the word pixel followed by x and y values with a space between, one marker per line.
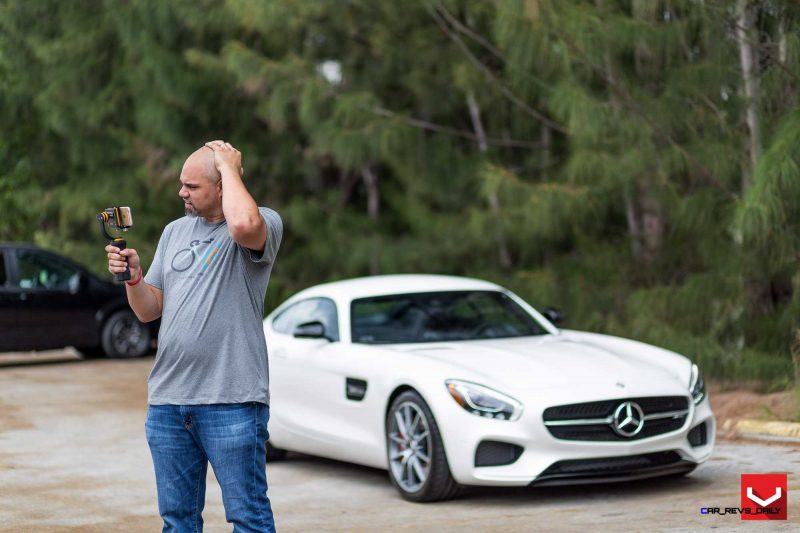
pixel 183 439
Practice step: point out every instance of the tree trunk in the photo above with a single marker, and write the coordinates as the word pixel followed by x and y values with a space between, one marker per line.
pixel 373 211
pixel 547 146
pixel 782 40
pixel 652 221
pixel 789 99
pixel 634 233
pixel 494 201
pixel 647 224
pixel 748 57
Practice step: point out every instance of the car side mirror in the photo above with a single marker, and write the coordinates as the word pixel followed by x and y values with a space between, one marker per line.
pixel 310 330
pixel 554 315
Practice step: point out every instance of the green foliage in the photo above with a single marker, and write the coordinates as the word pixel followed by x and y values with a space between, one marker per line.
pixel 18 202
pixel 607 174
pixel 770 216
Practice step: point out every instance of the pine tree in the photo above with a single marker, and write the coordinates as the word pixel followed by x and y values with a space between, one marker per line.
pixel 631 161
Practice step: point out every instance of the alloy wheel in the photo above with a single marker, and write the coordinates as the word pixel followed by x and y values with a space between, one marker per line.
pixel 410 446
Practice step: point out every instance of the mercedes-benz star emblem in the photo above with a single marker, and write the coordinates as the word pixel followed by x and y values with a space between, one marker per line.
pixel 628 419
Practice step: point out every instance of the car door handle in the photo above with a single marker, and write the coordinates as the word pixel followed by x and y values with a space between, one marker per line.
pixel 23 296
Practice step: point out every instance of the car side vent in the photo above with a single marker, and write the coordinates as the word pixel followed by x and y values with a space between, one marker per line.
pixel 494 453
pixel 698 436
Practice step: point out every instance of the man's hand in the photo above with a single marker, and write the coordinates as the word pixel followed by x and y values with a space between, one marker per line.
pixel 116 260
pixel 226 157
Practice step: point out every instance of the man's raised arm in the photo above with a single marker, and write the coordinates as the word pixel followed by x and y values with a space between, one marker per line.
pixel 241 212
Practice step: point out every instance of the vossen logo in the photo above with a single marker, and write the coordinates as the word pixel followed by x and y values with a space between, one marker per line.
pixel 764 497
pixel 763 492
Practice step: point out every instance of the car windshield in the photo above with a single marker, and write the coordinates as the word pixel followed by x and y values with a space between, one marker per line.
pixel 440 316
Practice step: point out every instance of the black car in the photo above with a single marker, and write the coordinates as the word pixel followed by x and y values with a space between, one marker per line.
pixel 48 301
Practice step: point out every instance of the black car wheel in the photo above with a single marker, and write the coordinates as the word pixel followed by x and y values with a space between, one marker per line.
pixel 417 462
pixel 123 336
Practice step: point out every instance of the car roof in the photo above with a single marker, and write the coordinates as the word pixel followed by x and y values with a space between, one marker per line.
pixel 394 284
pixel 6 244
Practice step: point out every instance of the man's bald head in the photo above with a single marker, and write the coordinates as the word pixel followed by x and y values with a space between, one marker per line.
pixel 201 163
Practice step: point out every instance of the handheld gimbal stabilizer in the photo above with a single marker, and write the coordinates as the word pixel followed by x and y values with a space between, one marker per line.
pixel 118 218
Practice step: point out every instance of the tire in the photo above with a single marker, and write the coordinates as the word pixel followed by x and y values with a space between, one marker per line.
pixel 418 466
pixel 275 454
pixel 123 336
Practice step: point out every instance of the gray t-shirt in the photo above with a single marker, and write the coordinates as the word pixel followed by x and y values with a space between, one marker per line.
pixel 211 346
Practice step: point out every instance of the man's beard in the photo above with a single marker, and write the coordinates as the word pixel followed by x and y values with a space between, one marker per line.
pixel 191 211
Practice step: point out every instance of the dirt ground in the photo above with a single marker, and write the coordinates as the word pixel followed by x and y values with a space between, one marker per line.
pixel 730 404
pixel 73 459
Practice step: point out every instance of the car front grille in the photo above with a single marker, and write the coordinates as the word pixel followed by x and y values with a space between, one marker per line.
pixel 594 421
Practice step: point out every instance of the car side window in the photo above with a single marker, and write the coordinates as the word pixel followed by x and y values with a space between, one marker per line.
pixel 39 271
pixel 312 310
pixel 282 323
pixel 3 276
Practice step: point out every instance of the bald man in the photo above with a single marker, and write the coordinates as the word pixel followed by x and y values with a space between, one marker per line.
pixel 208 391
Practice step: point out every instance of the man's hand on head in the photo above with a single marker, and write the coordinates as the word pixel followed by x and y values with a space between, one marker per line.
pixel 226 157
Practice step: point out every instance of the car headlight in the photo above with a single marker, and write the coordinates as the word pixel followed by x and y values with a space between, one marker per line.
pixel 483 401
pixel 697 386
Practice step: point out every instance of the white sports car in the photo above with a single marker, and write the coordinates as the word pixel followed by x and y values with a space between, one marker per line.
pixel 448 381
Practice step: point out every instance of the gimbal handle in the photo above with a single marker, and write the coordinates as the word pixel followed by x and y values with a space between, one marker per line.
pixel 120 243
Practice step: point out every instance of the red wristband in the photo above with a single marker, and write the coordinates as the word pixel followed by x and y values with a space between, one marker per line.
pixel 129 284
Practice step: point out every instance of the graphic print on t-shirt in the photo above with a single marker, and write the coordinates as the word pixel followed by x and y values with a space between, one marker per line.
pixel 199 256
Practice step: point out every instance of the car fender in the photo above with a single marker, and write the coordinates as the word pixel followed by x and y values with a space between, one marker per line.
pixel 428 380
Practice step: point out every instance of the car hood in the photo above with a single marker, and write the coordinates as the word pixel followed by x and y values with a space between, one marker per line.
pixel 547 361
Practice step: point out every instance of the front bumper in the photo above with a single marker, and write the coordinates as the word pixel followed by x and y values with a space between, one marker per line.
pixel 542 459
pixel 610 469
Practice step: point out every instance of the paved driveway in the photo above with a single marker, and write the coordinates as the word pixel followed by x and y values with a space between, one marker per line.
pixel 73 458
